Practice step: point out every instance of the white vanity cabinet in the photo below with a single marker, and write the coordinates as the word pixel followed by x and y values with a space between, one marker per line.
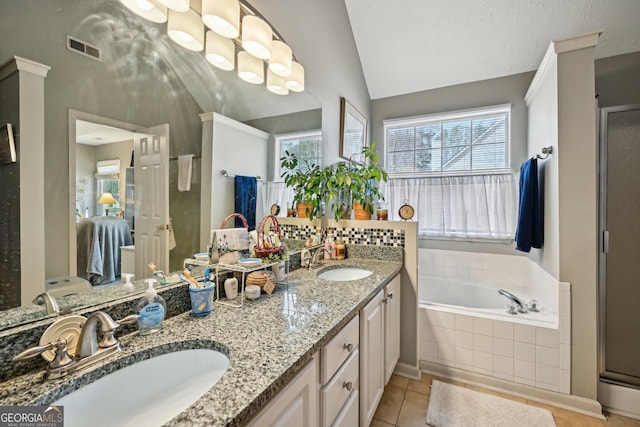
pixel 371 357
pixel 391 327
pixel 379 347
pixel 340 373
pixel 297 404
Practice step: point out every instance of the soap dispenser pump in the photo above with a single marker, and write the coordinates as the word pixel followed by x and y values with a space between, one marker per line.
pixel 127 286
pixel 152 310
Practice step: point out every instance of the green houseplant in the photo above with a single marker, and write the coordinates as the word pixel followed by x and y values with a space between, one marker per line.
pixel 336 185
pixel 307 182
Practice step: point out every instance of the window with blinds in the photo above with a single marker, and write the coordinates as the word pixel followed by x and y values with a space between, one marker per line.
pixel 456 143
pixel 307 146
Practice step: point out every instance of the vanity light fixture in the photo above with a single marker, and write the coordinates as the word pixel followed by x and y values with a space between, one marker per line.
pixel 276 83
pixel 177 5
pixel 148 9
pixel 260 42
pixel 257 37
pixel 250 68
pixel 295 81
pixel 186 29
pixel 222 16
pixel 280 61
pixel 220 51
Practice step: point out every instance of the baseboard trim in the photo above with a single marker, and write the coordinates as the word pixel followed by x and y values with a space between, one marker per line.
pixel 408 371
pixel 570 402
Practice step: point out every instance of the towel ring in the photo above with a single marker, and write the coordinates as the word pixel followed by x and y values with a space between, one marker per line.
pixel 546 151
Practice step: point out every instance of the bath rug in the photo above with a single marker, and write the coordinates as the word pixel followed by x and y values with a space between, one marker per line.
pixel 455 406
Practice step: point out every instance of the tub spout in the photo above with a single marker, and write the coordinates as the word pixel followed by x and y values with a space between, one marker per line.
pixel 514 299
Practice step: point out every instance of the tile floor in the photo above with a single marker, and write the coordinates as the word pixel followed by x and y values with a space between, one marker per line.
pixel 405 401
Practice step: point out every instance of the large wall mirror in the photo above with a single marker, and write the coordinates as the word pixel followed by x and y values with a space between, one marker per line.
pixel 143 79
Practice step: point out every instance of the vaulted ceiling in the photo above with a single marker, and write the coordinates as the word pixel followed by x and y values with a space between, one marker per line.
pixel 413 45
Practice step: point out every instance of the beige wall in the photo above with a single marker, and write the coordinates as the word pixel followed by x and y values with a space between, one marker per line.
pixel 578 196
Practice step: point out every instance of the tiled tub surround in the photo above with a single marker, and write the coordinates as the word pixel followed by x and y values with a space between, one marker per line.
pixel 268 341
pixel 533 349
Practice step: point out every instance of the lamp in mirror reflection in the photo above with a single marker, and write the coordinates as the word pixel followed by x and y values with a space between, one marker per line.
pixel 177 5
pixel 148 9
pixel 220 51
pixel 261 43
pixel 276 83
pixel 186 29
pixel 222 17
pixel 250 68
pixel 106 199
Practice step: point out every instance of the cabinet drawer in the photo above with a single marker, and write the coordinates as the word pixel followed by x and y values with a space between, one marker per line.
pixel 339 389
pixel 338 349
pixel 348 417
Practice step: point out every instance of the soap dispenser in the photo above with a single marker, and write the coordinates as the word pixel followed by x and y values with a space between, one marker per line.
pixel 127 286
pixel 152 310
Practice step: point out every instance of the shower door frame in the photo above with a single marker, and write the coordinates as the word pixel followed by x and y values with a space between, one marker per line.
pixel 603 374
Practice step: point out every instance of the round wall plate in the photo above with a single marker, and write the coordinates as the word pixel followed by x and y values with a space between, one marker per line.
pixel 69 328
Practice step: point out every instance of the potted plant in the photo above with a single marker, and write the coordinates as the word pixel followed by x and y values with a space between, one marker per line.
pixel 307 182
pixel 364 183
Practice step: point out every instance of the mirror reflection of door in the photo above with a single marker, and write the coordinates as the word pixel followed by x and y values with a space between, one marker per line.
pixel 104 166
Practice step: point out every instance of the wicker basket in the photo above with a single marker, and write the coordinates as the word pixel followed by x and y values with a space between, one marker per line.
pixel 263 247
pixel 235 215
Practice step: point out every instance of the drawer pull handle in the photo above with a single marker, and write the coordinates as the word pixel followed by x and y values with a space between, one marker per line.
pixel 348 385
pixel 348 347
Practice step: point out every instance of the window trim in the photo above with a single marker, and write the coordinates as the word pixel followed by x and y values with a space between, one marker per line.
pixel 447 117
pixel 278 142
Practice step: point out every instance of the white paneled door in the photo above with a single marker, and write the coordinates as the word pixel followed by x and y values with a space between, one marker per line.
pixel 152 228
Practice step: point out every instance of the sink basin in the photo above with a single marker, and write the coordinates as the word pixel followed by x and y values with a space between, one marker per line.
pixel 149 392
pixel 344 274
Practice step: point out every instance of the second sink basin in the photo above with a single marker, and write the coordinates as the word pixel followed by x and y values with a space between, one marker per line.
pixel 149 392
pixel 344 274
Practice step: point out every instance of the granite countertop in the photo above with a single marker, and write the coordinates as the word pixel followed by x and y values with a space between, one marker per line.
pixel 267 341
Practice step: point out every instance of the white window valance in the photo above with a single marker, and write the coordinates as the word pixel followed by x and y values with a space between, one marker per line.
pixel 108 169
pixel 471 207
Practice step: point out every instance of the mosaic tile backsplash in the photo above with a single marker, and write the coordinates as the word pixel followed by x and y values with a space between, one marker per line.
pixel 354 236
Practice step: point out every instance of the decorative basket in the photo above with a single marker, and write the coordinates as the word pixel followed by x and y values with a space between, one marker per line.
pixel 265 245
pixel 235 215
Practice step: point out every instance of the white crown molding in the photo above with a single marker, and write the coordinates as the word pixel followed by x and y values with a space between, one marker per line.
pixel 549 61
pixel 219 118
pixel 580 41
pixel 21 64
pixel 555 48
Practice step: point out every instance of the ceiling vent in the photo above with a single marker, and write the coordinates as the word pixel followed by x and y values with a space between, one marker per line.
pixel 83 48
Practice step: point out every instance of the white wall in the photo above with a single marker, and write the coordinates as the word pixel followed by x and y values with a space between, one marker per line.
pixel 240 150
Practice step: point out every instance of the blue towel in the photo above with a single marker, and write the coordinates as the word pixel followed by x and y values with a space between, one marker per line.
pixel 530 232
pixel 246 190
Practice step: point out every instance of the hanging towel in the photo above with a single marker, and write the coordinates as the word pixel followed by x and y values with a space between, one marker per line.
pixel 172 236
pixel 246 190
pixel 530 231
pixel 185 165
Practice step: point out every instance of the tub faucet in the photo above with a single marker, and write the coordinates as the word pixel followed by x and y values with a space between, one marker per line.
pixel 522 308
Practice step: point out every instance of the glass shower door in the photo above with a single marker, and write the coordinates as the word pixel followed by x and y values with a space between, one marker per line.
pixel 620 255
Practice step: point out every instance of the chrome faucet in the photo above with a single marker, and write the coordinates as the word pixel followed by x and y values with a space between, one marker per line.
pixel 522 308
pixel 314 261
pixel 305 258
pixel 49 302
pixel 89 350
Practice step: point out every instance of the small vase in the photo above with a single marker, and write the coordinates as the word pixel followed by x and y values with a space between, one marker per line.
pixel 279 270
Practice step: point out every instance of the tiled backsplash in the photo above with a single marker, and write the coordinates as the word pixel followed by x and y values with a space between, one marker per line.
pixel 354 236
